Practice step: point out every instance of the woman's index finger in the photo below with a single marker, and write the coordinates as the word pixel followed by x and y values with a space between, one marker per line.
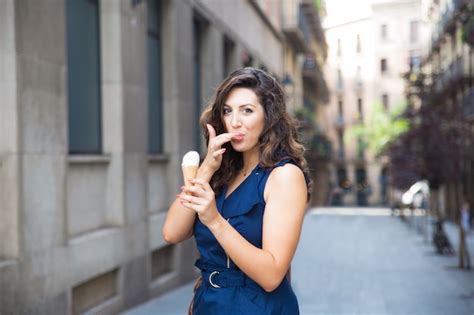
pixel 223 138
pixel 212 131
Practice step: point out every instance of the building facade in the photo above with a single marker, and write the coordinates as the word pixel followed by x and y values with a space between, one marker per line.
pixel 305 53
pixel 448 82
pixel 100 100
pixel 371 46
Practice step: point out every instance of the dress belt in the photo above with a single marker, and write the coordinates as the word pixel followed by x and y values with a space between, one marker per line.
pixel 221 277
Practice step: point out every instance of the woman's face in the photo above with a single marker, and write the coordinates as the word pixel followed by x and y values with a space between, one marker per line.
pixel 243 113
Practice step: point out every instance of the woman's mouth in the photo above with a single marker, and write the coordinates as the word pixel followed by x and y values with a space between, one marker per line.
pixel 238 137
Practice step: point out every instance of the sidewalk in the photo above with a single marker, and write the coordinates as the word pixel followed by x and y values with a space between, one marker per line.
pixel 175 302
pixel 362 261
pixel 452 230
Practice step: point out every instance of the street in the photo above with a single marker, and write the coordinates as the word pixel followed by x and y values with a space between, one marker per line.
pixel 363 261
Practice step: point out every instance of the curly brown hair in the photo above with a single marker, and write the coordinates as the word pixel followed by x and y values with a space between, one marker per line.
pixel 279 138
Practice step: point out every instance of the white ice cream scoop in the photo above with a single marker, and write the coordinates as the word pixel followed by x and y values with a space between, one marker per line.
pixel 190 166
pixel 191 158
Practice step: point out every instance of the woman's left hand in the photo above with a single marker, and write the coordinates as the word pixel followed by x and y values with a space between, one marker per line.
pixel 202 200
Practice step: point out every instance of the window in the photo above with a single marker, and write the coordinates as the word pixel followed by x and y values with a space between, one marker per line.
pixel 339 47
pixel 341 145
pixel 383 66
pixel 83 76
pixel 360 148
pixel 414 36
pixel 229 55
pixel 155 81
pixel 358 48
pixel 385 101
pixel 342 179
pixel 162 261
pixel 358 77
pixel 384 31
pixel 339 80
pixel 198 34
pixel 360 110
pixel 95 291
pixel 415 62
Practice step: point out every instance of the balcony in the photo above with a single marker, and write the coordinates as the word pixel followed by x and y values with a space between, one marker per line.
pixel 448 23
pixel 454 76
pixel 294 27
pixel 436 39
pixel 314 77
pixel 460 5
pixel 301 24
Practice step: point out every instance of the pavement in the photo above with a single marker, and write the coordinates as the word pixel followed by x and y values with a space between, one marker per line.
pixel 363 261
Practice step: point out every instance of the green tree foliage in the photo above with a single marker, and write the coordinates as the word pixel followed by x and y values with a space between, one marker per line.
pixel 381 128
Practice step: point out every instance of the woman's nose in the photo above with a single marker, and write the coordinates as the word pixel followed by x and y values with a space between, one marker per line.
pixel 235 122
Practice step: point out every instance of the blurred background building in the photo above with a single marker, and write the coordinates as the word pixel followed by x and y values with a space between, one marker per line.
pixel 441 99
pixel 372 44
pixel 100 100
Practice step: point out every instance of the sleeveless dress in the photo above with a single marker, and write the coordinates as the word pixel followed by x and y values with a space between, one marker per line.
pixel 225 289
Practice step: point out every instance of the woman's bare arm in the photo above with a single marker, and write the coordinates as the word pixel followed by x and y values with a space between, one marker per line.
pixel 180 220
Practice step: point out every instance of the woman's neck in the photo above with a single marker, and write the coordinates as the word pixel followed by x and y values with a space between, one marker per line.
pixel 250 160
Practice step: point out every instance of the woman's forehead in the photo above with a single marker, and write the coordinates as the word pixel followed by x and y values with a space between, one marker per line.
pixel 241 96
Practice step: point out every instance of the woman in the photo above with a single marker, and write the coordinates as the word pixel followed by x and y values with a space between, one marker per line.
pixel 247 203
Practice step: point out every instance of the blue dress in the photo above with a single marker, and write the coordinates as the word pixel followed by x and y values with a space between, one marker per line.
pixel 224 288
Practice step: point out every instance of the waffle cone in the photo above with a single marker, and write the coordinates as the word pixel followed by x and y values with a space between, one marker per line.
pixel 189 172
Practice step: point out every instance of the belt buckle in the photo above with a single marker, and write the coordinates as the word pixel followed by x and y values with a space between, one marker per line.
pixel 210 279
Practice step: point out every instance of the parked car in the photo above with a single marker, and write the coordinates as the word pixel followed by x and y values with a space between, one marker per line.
pixel 417 195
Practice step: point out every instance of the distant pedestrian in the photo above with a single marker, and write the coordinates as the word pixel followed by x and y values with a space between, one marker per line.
pixel 465 229
pixel 441 240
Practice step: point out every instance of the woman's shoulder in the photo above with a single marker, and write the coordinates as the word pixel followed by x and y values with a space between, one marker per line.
pixel 286 171
pixel 284 176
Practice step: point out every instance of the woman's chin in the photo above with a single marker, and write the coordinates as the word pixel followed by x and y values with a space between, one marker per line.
pixel 239 147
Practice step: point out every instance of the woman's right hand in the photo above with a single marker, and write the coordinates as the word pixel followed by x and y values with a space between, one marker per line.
pixel 215 151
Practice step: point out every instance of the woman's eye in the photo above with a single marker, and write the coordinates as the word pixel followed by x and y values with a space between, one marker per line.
pixel 248 111
pixel 226 111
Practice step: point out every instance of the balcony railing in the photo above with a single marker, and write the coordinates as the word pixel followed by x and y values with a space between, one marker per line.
pixel 456 73
pixel 295 24
pixel 460 4
pixel 447 20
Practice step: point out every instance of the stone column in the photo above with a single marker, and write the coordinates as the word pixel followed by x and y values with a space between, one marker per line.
pixel 9 162
pixel 42 151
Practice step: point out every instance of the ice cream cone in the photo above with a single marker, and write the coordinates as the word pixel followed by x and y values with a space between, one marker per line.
pixel 190 167
pixel 189 172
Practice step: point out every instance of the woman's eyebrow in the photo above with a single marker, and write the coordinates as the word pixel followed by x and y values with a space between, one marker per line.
pixel 243 105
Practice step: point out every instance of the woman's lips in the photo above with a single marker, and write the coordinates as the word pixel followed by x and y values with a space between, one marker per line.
pixel 238 137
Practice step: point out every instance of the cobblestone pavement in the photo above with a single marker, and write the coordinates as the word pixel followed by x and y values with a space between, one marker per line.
pixel 363 261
